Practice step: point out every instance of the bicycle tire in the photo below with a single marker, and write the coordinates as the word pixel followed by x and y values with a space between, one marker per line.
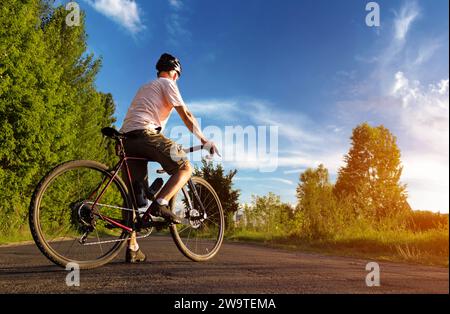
pixel 179 241
pixel 34 210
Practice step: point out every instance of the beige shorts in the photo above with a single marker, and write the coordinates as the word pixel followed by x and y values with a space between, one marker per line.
pixel 154 147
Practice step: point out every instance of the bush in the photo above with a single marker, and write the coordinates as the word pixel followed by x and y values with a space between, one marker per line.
pixel 268 214
pixel 426 220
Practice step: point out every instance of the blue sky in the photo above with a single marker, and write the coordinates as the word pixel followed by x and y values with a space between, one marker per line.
pixel 313 68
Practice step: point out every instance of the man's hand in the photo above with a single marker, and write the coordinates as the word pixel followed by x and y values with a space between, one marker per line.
pixel 211 147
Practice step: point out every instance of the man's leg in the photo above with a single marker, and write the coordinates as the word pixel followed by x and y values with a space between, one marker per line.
pixel 139 174
pixel 176 182
pixel 134 254
pixel 160 207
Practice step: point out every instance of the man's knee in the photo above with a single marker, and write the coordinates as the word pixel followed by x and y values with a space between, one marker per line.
pixel 187 167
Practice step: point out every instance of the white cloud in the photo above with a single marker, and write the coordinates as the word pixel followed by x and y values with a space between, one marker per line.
pixel 426 52
pixel 424 116
pixel 124 12
pixel 176 24
pixel 389 53
pixel 401 82
pixel 294 171
pixel 293 126
pixel 177 4
pixel 301 143
pixel 281 180
pixel 424 126
pixel 226 109
pixel 408 14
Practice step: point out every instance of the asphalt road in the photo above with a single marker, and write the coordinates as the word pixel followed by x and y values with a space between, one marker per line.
pixel 238 268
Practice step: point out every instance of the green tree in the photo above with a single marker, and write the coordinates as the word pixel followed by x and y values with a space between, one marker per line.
pixel 268 214
pixel 223 185
pixel 317 214
pixel 50 110
pixel 29 95
pixel 371 176
pixel 87 109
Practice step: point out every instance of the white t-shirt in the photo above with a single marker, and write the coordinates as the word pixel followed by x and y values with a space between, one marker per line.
pixel 152 105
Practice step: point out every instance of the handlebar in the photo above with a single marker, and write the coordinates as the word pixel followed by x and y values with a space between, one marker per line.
pixel 193 149
pixel 196 148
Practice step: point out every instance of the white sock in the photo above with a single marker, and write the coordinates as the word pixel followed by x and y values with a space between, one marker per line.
pixel 162 201
pixel 134 247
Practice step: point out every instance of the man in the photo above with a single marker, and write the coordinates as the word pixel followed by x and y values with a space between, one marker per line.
pixel 143 124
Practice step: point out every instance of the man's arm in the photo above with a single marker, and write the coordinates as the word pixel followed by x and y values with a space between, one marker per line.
pixel 191 123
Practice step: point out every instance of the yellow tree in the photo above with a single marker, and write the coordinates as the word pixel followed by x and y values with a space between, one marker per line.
pixel 371 176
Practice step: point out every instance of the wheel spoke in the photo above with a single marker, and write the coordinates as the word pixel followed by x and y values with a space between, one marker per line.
pixel 210 216
pixel 190 230
pixel 212 222
pixel 70 247
pixel 207 206
pixel 98 238
pixel 181 231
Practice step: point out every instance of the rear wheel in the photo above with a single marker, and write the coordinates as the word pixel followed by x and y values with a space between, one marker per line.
pixel 200 235
pixel 62 219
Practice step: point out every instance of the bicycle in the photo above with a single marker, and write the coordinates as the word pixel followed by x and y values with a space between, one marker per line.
pixel 82 212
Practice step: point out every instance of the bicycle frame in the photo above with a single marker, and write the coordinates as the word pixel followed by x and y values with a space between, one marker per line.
pixel 115 171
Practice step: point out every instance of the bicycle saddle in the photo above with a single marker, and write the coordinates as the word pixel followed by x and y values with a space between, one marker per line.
pixel 112 133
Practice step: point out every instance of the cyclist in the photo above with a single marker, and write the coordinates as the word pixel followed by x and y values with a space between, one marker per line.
pixel 143 126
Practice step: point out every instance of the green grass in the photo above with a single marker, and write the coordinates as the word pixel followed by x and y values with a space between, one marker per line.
pixel 21 235
pixel 428 248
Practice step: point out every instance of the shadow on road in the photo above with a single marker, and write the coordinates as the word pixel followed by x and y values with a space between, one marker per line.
pixel 26 270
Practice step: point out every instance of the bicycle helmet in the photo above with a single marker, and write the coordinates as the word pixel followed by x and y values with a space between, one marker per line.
pixel 167 63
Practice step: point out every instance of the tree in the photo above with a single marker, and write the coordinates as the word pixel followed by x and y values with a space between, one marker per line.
pixel 371 176
pixel 268 214
pixel 223 185
pixel 88 109
pixel 50 110
pixel 317 214
pixel 28 98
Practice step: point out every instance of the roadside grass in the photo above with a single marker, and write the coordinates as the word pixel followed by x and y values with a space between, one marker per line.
pixel 22 235
pixel 427 248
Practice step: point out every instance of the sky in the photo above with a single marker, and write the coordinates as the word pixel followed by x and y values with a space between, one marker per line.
pixel 310 70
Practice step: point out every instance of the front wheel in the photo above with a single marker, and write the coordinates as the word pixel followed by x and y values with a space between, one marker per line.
pixel 200 235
